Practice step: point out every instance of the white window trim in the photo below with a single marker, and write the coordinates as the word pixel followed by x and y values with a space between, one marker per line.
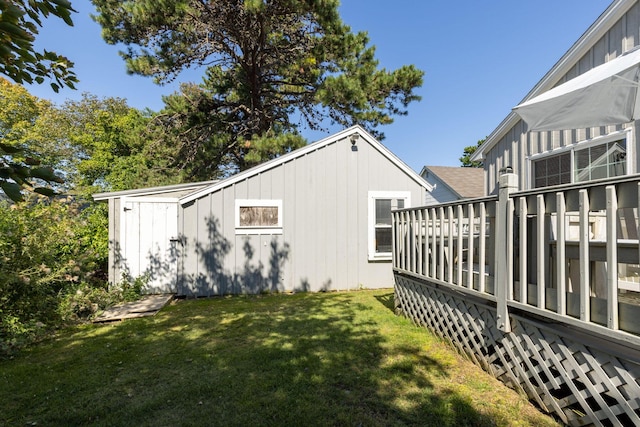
pixel 627 134
pixel 371 232
pixel 258 203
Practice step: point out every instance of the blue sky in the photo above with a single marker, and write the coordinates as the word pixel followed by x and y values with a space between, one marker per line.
pixel 480 59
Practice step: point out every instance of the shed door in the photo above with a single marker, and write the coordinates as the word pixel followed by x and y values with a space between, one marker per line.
pixel 149 229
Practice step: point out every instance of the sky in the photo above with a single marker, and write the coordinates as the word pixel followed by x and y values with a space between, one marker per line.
pixel 480 58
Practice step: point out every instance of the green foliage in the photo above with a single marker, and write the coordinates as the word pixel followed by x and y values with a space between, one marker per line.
pixel 85 300
pixel 19 25
pixel 112 144
pixel 54 252
pixel 272 67
pixel 465 160
pixel 20 166
pixel 130 288
pixel 47 247
pixel 36 265
pixel 270 145
pixel 94 144
pixel 19 22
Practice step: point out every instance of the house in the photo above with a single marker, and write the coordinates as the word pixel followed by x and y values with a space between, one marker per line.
pixel 539 281
pixel 318 218
pixel 453 183
pixel 578 125
pixel 563 154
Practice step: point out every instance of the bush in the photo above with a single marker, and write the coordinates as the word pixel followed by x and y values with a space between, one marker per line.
pixel 49 251
pixel 130 288
pixel 85 301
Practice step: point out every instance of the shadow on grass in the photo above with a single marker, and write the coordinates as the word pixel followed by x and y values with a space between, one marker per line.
pixel 305 359
pixel 387 300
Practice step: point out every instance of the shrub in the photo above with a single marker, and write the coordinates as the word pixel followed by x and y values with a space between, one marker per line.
pixel 84 301
pixel 130 288
pixel 48 250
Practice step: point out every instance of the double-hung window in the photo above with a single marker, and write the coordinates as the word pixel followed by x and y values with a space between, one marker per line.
pixel 586 161
pixel 381 203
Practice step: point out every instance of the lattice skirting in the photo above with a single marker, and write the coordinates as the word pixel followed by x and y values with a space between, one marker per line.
pixel 581 379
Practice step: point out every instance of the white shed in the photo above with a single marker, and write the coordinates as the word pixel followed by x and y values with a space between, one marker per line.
pixel 143 232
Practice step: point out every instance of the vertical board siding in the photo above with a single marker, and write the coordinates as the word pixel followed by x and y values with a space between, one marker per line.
pixel 616 37
pixel 352 212
pixel 189 228
pixel 147 238
pixel 365 159
pixel 633 24
pixel 621 37
pixel 324 240
pixel 342 216
pixel 114 240
pixel 329 221
pixel 204 274
pixel 302 224
pixel 288 221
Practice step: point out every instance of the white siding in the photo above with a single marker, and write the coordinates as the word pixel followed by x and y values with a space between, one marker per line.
pixel 146 230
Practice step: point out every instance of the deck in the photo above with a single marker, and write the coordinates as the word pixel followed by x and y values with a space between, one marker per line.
pixel 570 338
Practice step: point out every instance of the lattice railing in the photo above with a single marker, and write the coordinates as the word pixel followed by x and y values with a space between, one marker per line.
pixel 580 377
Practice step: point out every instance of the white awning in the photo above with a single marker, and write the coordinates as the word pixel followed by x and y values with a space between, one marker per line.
pixel 604 95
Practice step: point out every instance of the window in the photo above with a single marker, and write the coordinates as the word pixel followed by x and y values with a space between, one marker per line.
pixel 381 203
pixel 586 161
pixel 258 216
pixel 552 170
pixel 601 161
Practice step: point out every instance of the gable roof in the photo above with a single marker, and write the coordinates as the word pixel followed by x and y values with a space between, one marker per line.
pixel 464 182
pixel 354 130
pixel 595 32
pixel 152 191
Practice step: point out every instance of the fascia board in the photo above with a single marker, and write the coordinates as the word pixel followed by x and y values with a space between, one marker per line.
pixel 151 190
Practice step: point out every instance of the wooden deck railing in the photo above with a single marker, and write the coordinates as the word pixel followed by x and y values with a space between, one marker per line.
pixel 567 253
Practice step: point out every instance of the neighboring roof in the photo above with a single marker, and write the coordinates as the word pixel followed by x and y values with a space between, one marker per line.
pixel 303 151
pixel 188 188
pixel 464 182
pixel 595 32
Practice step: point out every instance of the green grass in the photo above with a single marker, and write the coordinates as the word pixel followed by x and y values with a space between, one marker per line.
pixel 340 359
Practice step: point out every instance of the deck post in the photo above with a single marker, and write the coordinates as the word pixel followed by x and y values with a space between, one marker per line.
pixel 508 184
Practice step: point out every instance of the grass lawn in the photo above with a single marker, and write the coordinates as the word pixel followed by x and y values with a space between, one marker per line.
pixel 340 359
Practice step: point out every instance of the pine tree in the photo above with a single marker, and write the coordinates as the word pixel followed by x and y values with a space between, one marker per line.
pixel 272 67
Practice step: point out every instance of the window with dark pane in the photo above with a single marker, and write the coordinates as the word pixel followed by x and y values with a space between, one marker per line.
pixel 552 170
